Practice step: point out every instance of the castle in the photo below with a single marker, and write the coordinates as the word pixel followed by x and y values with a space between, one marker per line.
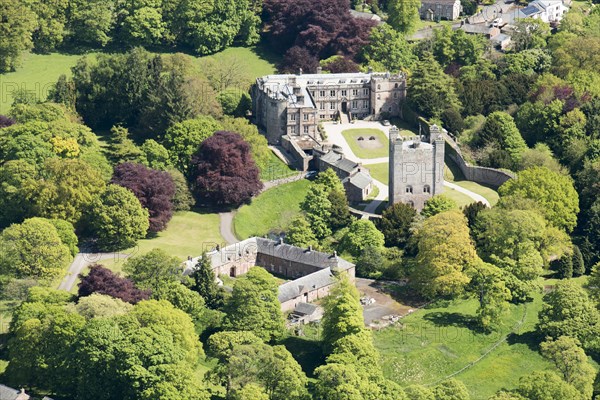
pixel 293 105
pixel 416 167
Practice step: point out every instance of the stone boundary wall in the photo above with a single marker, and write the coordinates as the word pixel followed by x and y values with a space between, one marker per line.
pixel 300 159
pixel 483 175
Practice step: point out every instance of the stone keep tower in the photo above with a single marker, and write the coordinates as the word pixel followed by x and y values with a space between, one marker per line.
pixel 416 168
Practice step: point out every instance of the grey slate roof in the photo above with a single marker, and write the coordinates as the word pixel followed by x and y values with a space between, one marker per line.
pixel 316 280
pixel 269 247
pixel 346 165
pixel 305 309
pixel 360 180
pixel 7 393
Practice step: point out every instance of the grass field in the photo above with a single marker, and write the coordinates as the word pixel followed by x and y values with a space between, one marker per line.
pixel 38 72
pixel 490 194
pixel 351 136
pixel 276 169
pixel 437 342
pixel 272 210
pixel 461 199
pixel 188 234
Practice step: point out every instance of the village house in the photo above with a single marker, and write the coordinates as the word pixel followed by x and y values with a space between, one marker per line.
pixel 549 11
pixel 436 10
pixel 311 273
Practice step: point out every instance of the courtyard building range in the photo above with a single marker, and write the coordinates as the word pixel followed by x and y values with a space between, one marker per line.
pixel 313 273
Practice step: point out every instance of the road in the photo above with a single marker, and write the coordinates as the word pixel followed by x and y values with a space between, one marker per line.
pixel 226 227
pixel 80 262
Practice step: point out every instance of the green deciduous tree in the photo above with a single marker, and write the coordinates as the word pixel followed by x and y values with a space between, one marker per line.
pixel 153 269
pixel 487 284
pixel 254 307
pixel 117 219
pixel 451 389
pixel 300 233
pixel 554 192
pixel 568 311
pixel 183 200
pixel 33 249
pixel 101 306
pixel 403 15
pixel 389 49
pixel 69 187
pixel 546 385
pixel 437 204
pixel 343 313
pixel 445 254
pixel 15 33
pixel 570 359
pixel 67 235
pixel 17 180
pixel 317 207
pixel 361 234
pixel 183 139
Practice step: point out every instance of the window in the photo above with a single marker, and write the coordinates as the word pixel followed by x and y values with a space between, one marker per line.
pixel 292 117
pixel 322 93
pixel 293 129
pixel 344 92
pixel 313 93
pixel 322 116
pixel 409 189
pixel 396 86
pixel 426 189
pixel 332 105
pixel 365 103
pixel 306 117
pixel 321 106
pixel 332 93
pixel 378 97
pixel 366 92
pixel 390 109
pixel 306 129
pixel 354 104
pixel 354 92
pixel 378 87
pixel 395 95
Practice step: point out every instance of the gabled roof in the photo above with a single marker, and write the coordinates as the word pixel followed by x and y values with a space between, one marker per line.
pixel 305 309
pixel 7 393
pixel 314 281
pixel 360 180
pixel 346 165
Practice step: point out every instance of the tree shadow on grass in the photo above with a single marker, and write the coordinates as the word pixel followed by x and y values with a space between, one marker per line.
pixel 458 320
pixel 307 352
pixel 532 339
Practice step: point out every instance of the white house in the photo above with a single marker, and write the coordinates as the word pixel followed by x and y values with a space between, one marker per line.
pixel 546 10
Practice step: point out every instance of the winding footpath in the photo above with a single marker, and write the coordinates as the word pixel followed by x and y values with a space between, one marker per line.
pixel 82 261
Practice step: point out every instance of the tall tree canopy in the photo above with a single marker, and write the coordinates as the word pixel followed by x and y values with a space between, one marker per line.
pixel 224 172
pixel 554 192
pixel 154 189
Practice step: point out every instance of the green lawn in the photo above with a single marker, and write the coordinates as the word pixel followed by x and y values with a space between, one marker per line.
pixel 276 169
pixel 437 342
pixel 271 210
pixel 249 62
pixel 461 199
pixel 381 172
pixel 352 135
pixel 188 234
pixel 490 194
pixel 37 73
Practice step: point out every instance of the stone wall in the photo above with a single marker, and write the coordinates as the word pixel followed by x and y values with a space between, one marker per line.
pixel 483 175
pixel 301 160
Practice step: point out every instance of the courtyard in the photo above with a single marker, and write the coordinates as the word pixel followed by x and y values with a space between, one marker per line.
pixel 367 142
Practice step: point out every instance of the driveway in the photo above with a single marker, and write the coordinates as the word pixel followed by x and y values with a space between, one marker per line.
pixel 82 261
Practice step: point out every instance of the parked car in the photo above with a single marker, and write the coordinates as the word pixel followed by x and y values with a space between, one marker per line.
pixel 311 174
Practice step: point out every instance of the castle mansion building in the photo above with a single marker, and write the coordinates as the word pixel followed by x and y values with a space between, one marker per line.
pixel 293 105
pixel 416 168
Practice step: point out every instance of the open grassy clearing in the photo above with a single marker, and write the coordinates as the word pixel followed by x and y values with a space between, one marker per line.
pixel 437 342
pixel 490 194
pixel 39 72
pixel 188 234
pixel 276 169
pixel 271 210
pixel 367 148
pixel 461 199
